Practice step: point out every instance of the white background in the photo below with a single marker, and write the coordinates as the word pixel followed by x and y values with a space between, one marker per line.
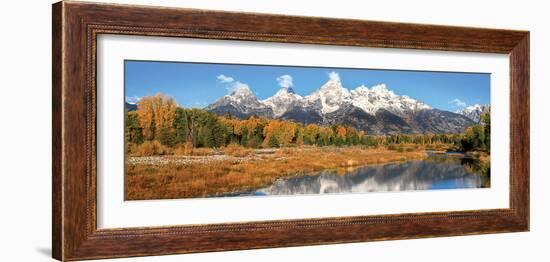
pixel 113 211
pixel 25 148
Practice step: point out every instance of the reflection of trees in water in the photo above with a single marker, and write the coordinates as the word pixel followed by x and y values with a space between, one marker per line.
pixel 480 168
pixel 470 164
pixel 411 175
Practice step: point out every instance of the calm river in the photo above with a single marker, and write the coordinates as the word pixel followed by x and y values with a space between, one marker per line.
pixel 435 172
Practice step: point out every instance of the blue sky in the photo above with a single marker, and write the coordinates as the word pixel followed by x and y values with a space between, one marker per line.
pixel 199 84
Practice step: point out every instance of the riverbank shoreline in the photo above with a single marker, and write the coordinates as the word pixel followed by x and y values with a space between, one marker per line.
pixel 169 177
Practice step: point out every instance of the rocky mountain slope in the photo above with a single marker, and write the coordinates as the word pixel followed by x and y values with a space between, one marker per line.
pixel 474 112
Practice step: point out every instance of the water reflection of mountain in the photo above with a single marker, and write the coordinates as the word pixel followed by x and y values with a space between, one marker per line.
pixel 411 175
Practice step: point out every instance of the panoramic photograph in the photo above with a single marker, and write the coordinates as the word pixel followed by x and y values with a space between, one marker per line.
pixel 202 130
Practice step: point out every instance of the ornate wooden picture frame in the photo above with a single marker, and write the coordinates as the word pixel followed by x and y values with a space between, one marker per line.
pixel 76 26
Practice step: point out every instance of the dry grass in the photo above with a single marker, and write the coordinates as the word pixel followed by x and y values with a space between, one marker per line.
pixel 214 177
pixel 237 150
pixel 187 149
pixel 148 148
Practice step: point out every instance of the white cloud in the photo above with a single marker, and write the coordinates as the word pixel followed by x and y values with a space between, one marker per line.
pixel 285 81
pixel 133 99
pixel 458 103
pixel 334 76
pixel 225 79
pixel 237 85
pixel 231 84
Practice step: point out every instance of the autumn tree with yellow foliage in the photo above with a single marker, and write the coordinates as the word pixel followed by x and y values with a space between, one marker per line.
pixel 156 115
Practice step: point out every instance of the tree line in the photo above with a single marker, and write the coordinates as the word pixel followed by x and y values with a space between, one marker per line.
pixel 159 118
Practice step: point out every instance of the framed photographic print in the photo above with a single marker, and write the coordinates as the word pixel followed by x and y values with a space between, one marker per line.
pixel 181 130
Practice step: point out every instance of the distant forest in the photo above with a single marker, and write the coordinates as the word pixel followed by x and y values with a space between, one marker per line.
pixel 158 118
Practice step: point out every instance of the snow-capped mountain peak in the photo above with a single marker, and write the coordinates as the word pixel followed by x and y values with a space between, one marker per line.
pixel 240 102
pixel 288 90
pixel 362 89
pixel 241 91
pixel 379 97
pixel 376 109
pixel 332 84
pixel 282 100
pixel 380 89
pixel 331 96
pixel 472 108
pixel 474 111
pixel 285 91
pixel 243 95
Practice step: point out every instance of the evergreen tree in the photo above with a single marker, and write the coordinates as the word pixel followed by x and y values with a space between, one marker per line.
pixel 133 128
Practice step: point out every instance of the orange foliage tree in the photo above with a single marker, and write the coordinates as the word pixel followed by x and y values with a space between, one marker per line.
pixel 279 133
pixel 156 113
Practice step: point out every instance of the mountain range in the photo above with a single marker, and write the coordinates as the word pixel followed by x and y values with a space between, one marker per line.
pixel 130 106
pixel 474 112
pixel 376 110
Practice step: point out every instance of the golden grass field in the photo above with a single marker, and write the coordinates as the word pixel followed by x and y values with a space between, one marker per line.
pixel 234 170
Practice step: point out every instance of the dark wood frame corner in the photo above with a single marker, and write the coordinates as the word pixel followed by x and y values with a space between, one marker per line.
pixel 76 26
